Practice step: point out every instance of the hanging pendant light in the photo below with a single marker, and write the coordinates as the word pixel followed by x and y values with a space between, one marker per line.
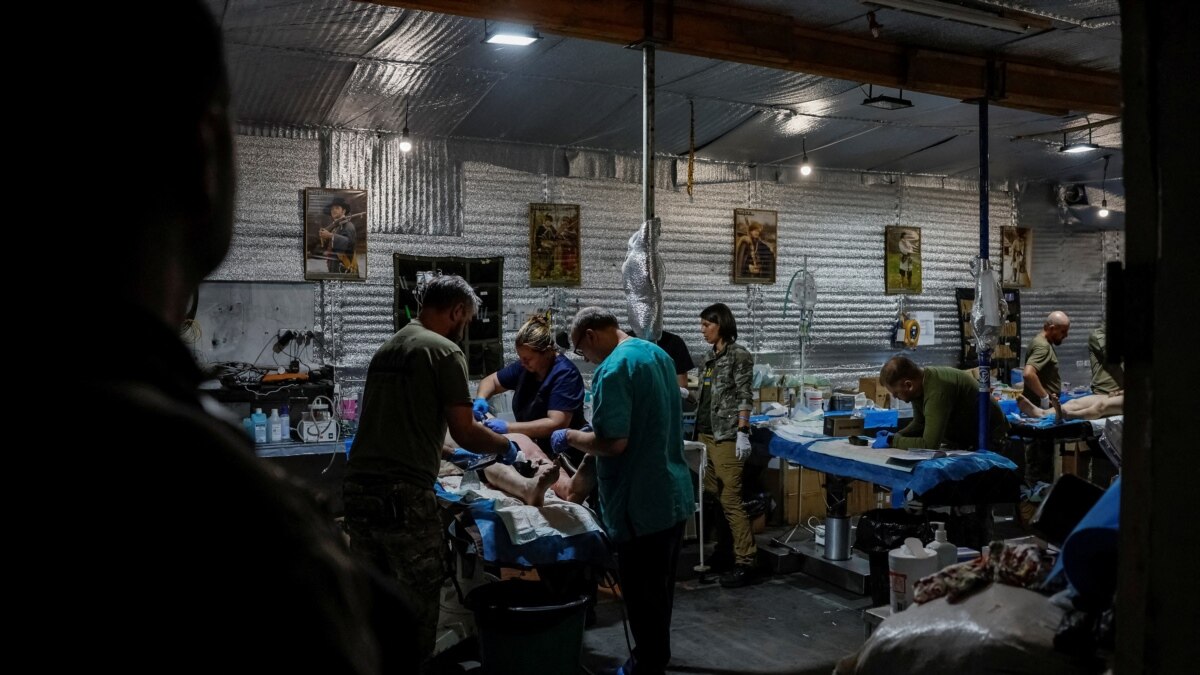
pixel 405 141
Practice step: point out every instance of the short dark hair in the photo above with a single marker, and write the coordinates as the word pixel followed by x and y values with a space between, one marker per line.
pixel 591 318
pixel 447 290
pixel 898 368
pixel 720 314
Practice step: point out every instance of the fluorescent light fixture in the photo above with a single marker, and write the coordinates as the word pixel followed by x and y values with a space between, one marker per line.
pixel 1078 147
pixel 507 34
pixel 886 102
pixel 944 10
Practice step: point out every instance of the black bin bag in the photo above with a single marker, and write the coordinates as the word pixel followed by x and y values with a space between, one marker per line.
pixel 881 530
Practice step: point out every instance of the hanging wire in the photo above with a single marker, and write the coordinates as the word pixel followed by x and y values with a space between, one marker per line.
pixel 691 179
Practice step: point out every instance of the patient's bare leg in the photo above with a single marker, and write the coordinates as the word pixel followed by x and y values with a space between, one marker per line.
pixel 1094 406
pixel 1028 408
pixel 532 491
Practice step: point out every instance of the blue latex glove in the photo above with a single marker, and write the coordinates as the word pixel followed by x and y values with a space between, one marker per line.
pixel 463 458
pixel 883 439
pixel 513 454
pixel 497 425
pixel 480 408
pixel 558 442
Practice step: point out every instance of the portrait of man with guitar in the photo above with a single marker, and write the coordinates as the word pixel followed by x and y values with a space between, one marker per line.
pixel 337 236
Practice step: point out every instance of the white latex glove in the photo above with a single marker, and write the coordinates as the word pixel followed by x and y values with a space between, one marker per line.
pixel 683 392
pixel 1045 402
pixel 742 447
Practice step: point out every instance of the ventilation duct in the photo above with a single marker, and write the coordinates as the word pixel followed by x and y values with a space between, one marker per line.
pixel 1077 211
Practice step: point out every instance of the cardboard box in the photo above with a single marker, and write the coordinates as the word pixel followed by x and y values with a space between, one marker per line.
pixel 803 494
pixel 875 391
pixel 843 425
pixel 766 394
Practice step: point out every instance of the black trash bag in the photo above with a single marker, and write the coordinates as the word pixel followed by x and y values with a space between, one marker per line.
pixel 880 531
pixel 886 529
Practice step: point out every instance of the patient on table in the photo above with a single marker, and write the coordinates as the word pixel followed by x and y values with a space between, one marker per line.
pixel 546 475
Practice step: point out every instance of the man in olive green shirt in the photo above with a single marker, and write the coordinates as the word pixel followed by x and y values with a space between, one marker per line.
pixel 945 405
pixel 1042 381
pixel 416 388
pixel 1108 395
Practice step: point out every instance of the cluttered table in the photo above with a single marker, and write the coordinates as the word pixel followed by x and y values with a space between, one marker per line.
pixel 904 472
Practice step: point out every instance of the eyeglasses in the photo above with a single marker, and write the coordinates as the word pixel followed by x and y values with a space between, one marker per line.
pixel 578 345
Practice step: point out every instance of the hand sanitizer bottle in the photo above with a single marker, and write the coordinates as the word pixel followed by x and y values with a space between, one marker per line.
pixel 275 427
pixel 947 553
pixel 285 423
pixel 260 426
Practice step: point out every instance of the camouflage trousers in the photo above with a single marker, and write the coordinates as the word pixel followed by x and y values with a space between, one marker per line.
pixel 398 528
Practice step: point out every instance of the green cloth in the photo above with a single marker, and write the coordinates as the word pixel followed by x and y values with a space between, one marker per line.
pixel 1044 359
pixel 647 488
pixel 1106 379
pixel 947 413
pixel 410 381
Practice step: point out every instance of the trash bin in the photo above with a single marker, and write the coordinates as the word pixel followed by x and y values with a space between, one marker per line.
pixel 525 628
pixel 881 530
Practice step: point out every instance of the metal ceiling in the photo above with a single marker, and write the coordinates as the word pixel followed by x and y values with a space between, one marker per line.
pixel 355 65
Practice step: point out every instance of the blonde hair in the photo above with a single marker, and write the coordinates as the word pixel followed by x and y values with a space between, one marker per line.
pixel 536 334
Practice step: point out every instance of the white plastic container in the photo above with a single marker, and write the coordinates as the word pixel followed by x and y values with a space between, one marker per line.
pixel 275 427
pixel 947 553
pixel 812 399
pixel 907 565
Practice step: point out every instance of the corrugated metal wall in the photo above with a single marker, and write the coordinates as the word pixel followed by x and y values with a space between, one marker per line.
pixel 471 198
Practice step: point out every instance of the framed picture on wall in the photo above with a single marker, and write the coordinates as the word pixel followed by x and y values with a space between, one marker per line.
pixel 902 260
pixel 755 243
pixel 1016 247
pixel 335 234
pixel 554 251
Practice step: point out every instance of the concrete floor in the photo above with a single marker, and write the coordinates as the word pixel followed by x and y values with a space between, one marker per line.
pixel 785 624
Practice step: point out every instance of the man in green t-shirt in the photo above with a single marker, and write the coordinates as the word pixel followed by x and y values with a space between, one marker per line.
pixel 1108 395
pixel 645 485
pixel 1042 381
pixel 945 405
pixel 416 388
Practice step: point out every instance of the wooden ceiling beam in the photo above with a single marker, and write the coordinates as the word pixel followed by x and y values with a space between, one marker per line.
pixel 728 33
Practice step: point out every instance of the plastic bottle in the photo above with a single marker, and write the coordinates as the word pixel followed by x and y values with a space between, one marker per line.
pixel 249 425
pixel 285 423
pixel 260 426
pixel 274 428
pixel 947 553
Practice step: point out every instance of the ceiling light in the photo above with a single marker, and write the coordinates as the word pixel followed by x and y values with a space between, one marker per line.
pixel 506 34
pixel 886 102
pixel 975 17
pixel 805 166
pixel 1104 208
pixel 1078 147
pixel 405 141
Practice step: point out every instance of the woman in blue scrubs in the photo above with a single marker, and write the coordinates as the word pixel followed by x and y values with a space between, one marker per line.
pixel 547 388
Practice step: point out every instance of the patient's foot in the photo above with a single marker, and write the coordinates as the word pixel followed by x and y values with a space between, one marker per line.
pixel 535 491
pixel 1028 409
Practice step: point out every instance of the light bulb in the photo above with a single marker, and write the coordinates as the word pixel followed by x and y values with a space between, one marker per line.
pixel 1104 208
pixel 805 167
pixel 405 143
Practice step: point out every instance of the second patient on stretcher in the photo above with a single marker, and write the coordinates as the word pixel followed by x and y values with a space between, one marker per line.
pixel 571 485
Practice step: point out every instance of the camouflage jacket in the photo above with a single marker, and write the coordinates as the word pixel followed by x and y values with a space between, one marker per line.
pixel 732 373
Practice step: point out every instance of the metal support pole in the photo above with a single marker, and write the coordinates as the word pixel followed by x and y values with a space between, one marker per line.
pixel 647 130
pixel 985 355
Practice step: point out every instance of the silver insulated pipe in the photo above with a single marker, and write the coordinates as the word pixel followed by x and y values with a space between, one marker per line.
pixel 643 272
